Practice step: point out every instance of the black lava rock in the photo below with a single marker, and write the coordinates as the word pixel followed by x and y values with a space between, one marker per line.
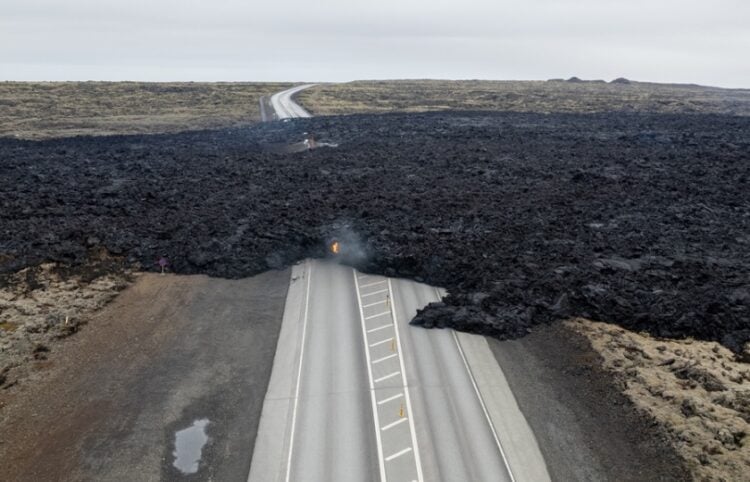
pixel 637 219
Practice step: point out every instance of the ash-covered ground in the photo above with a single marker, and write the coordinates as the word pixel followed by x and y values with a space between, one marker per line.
pixel 637 219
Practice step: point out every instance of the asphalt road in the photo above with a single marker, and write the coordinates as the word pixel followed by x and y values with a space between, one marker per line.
pixel 285 107
pixel 356 393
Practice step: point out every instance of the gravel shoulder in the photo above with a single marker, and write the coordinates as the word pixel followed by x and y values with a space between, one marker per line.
pixel 170 350
pixel 586 428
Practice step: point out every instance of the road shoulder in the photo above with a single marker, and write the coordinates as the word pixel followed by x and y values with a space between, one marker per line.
pixel 519 446
pixel 168 351
pixel 586 429
pixel 269 461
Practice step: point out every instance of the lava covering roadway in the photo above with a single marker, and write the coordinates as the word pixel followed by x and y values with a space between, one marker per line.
pixel 638 219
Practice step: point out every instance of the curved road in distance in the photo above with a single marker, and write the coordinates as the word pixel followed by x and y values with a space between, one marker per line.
pixel 285 106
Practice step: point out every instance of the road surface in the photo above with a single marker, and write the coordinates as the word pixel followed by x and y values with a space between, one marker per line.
pixel 285 106
pixel 356 393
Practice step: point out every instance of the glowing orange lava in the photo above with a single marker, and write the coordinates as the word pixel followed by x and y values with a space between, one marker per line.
pixel 335 247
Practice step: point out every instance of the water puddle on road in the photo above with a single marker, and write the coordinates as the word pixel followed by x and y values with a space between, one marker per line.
pixel 188 446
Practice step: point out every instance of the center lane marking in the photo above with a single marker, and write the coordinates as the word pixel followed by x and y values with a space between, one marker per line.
pixel 372 330
pixel 390 399
pixel 391 425
pixel 377 343
pixel 386 377
pixel 374 283
pixel 388 357
pixel 385 365
pixel 398 454
pixel 378 315
pixel 376 419
pixel 373 293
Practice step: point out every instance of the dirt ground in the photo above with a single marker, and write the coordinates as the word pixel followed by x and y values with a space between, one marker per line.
pixel 521 96
pixel 41 110
pixel 586 428
pixel 698 391
pixel 169 350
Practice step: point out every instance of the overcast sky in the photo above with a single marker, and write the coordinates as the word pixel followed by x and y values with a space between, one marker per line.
pixel 695 41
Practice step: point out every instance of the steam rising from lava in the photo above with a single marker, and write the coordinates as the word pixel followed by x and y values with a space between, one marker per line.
pixel 346 246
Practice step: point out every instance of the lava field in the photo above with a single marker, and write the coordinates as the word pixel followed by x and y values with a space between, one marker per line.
pixel 637 219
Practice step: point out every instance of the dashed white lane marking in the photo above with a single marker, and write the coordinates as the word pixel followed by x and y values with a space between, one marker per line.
pixel 379 328
pixel 385 358
pixel 398 454
pixel 386 377
pixel 378 315
pixel 374 283
pixel 390 399
pixel 375 416
pixel 381 342
pixel 373 293
pixel 396 354
pixel 417 459
pixel 299 374
pixel 391 425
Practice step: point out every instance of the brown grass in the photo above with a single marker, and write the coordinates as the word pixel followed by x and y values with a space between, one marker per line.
pixel 520 96
pixel 698 391
pixel 40 306
pixel 38 110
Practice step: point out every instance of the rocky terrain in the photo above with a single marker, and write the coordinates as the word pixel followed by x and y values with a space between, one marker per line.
pixel 642 220
pixel 697 390
pixel 573 95
pixel 40 305
pixel 42 110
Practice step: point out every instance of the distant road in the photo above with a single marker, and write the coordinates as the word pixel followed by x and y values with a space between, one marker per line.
pixel 284 105
pixel 357 394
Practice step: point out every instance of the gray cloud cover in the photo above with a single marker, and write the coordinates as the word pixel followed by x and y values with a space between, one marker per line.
pixel 704 41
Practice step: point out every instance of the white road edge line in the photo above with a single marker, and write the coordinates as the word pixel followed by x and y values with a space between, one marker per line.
pixel 391 425
pixel 384 359
pixel 398 454
pixel 386 377
pixel 481 402
pixel 373 293
pixel 381 462
pixel 390 399
pixel 381 342
pixel 413 431
pixel 299 374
